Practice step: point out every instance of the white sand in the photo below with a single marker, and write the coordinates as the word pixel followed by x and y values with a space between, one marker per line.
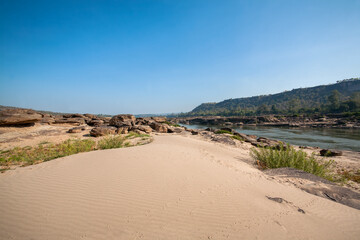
pixel 174 188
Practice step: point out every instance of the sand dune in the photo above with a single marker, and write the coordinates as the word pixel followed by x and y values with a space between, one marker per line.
pixel 177 187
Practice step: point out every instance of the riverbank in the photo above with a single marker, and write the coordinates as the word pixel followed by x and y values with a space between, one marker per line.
pixel 178 185
pixel 341 121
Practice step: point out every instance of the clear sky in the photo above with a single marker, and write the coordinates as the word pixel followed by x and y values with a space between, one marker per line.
pixel 143 56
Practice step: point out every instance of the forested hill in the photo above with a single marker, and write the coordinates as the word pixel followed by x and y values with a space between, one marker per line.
pixel 342 96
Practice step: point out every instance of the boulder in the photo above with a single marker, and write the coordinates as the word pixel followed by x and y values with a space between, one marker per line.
pixel 122 120
pixel 73 115
pixel 76 129
pixel 194 131
pixel 143 128
pixel 88 115
pixel 227 129
pixel 47 120
pixel 122 130
pixel 102 131
pixel 159 119
pixel 18 117
pixel 175 129
pixel 223 139
pixel 95 122
pixel 158 127
pixel 330 152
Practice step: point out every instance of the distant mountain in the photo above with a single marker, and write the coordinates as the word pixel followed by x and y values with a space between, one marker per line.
pixel 296 100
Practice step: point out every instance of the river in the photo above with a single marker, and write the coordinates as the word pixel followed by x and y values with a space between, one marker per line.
pixel 344 139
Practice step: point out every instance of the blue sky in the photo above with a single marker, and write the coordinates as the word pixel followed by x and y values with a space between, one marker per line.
pixel 140 56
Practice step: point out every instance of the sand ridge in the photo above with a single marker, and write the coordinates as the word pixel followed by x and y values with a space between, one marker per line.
pixel 177 187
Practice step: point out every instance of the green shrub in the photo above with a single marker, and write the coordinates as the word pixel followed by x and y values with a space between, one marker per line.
pixel 223 131
pixel 172 124
pixel 31 155
pixel 111 142
pixel 290 157
pixel 237 137
pixel 46 151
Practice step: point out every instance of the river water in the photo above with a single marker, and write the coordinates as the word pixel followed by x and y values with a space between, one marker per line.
pixel 344 139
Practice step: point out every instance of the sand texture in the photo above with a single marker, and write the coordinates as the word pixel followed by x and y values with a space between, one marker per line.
pixel 177 187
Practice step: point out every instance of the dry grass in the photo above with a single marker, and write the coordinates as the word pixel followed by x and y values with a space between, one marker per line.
pixel 46 151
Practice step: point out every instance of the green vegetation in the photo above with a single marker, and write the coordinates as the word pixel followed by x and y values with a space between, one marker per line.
pixel 46 151
pixel 111 142
pixel 228 132
pixel 223 131
pixel 345 175
pixel 237 137
pixel 172 124
pixel 290 157
pixel 342 97
pixel 31 155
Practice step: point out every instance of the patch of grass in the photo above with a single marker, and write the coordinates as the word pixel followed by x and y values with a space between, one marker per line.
pixel 43 143
pixel 31 155
pixel 237 138
pixel 290 157
pixel 347 175
pixel 24 156
pixel 223 131
pixel 111 142
pixel 136 135
pixel 172 124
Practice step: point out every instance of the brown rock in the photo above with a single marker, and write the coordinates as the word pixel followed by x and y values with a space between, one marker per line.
pixel 143 128
pixel 73 115
pixel 102 131
pixel 158 127
pixel 76 130
pixel 95 122
pixel 122 120
pixel 88 115
pixel 175 129
pixel 70 121
pixel 159 119
pixel 122 130
pixel 19 116
pixel 330 152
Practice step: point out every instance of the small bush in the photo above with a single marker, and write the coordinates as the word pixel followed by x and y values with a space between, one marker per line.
pixel 237 138
pixel 172 124
pixel 46 151
pixel 223 131
pixel 289 157
pixel 136 135
pixel 111 142
pixel 31 155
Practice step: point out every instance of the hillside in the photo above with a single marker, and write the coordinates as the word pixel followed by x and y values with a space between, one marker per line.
pixel 313 99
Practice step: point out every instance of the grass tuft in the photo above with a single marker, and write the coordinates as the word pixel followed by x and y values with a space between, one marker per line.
pixel 290 157
pixel 172 124
pixel 24 156
pixel 111 142
pixel 223 131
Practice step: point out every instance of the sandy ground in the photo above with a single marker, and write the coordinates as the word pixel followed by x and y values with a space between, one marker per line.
pixel 178 187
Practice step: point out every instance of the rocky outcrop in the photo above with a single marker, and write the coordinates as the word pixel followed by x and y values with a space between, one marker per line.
pixel 331 120
pixel 330 152
pixel 143 128
pixel 102 131
pixel 122 130
pixel 18 117
pixel 95 122
pixel 159 127
pixel 76 129
pixel 159 119
pixel 123 120
pixel 69 121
